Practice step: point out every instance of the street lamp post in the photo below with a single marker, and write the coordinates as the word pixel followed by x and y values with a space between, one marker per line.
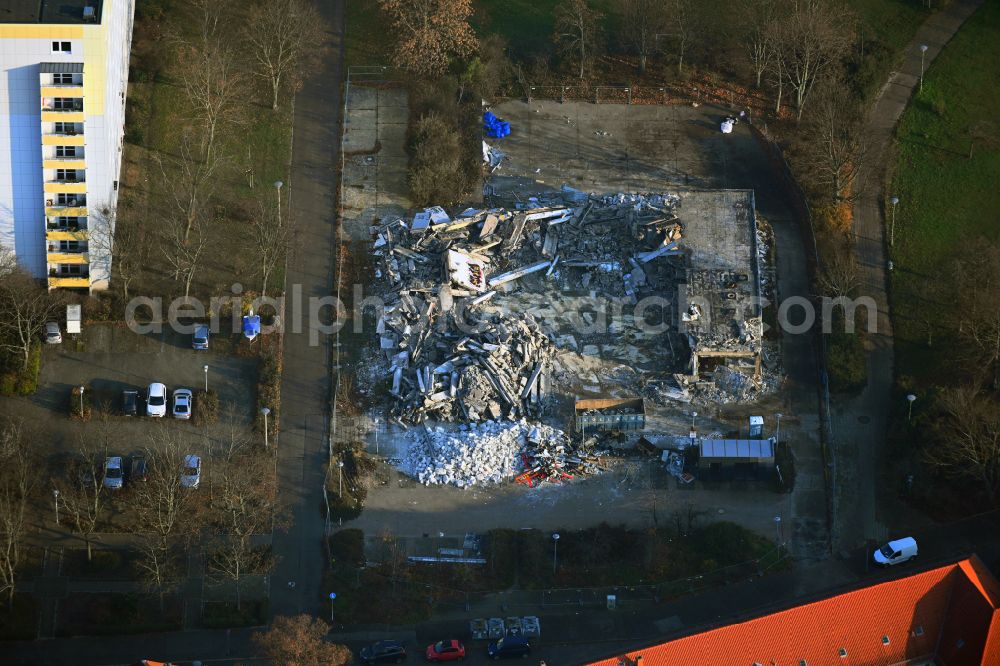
pixel 777 434
pixel 333 597
pixel 923 50
pixel 555 552
pixel 277 186
pixel 910 399
pixel 265 411
pixel 376 436
pixel 777 528
pixel 81 401
pixel 206 379
pixel 340 478
pixel 693 415
pixel 55 494
pixel 892 225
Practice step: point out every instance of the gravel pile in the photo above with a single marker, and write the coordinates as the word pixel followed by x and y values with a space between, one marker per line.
pixel 475 454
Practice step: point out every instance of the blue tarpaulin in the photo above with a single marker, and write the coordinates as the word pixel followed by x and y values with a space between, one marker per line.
pixel 494 127
pixel 251 326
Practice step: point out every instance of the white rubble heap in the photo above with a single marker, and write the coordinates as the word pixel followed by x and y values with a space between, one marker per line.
pixel 474 454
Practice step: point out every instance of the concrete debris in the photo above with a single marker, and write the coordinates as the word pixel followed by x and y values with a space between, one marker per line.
pixel 492 452
pixel 458 348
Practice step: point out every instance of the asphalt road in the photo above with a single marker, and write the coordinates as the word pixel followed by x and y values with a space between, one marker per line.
pixel 305 388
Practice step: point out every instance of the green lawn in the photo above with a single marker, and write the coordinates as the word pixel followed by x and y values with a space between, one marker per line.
pixel 947 201
pixel 527 24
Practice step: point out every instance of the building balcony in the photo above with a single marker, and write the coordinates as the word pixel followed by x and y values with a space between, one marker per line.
pixel 63 139
pixel 58 186
pixel 66 234
pixel 69 282
pixel 62 90
pixel 64 163
pixel 62 116
pixel 65 211
pixel 74 258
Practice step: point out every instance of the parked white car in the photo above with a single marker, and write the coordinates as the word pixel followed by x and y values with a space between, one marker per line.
pixel 113 473
pixel 156 400
pixel 182 404
pixel 191 476
pixel 896 552
pixel 53 335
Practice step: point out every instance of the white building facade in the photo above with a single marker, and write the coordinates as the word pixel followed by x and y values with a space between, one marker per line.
pixel 63 85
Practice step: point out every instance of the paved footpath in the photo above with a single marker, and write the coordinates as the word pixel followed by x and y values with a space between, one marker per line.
pixel 305 387
pixel 860 423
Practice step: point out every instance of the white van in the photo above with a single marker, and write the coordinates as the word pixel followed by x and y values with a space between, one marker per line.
pixel 896 552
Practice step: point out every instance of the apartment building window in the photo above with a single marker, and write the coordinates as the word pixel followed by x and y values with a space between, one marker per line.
pixel 62 79
pixel 70 269
pixel 62 47
pixel 69 199
pixel 69 246
pixel 65 151
pixel 65 128
pixel 71 175
pixel 67 104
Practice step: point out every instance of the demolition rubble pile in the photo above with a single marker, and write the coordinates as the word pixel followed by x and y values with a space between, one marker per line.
pixel 491 452
pixel 455 353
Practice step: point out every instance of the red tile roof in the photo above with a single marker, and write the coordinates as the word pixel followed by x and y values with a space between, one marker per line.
pixel 949 613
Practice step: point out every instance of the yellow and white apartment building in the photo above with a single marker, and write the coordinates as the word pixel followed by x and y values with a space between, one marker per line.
pixel 63 81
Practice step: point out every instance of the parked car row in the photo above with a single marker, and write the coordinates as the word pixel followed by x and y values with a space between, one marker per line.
pixel 118 472
pixel 53 335
pixel 180 403
pixel 385 652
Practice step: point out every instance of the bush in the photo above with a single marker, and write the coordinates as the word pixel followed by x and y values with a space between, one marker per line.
pixel 206 407
pixel 18 381
pixel 348 547
pixel 834 217
pixel 846 362
pixel 269 390
pixel 80 408
pixel 436 170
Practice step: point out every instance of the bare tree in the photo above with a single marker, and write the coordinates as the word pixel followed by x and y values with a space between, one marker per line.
pixel 212 82
pixel 642 22
pixel 245 502
pixel 976 292
pixel 968 446
pixel 189 180
pixel 271 242
pixel 839 274
pixel 833 144
pixel 300 641
pixel 286 39
pixel 166 512
pixel 231 437
pixel 814 35
pixel 577 31
pixel 122 242
pixel 24 308
pixel 758 18
pixel 18 474
pixel 430 33
pixel 8 261
pixel 983 132
pixel 183 253
pixel 683 25
pixel 81 491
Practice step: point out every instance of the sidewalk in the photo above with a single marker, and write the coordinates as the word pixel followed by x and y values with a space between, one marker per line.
pixel 859 424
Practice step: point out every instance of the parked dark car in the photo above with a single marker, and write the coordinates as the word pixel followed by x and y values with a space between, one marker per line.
pixel 130 402
pixel 200 338
pixel 383 652
pixel 137 470
pixel 509 647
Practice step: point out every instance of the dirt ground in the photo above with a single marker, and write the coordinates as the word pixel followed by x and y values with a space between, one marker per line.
pixel 616 148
